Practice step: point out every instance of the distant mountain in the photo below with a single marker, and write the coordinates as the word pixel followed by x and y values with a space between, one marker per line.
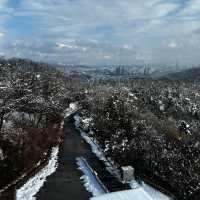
pixel 20 64
pixel 188 74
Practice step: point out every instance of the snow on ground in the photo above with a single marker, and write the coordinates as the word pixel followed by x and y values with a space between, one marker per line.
pixel 33 185
pixel 96 149
pixel 73 107
pixel 155 194
pixel 139 192
pixel 133 194
pixel 1 154
pixel 91 182
pixel 152 193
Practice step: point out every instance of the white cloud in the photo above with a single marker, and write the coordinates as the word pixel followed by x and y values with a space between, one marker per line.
pixel 62 45
pixel 172 44
pixel 192 9
pixel 3 4
pixel 3 19
pixel 107 57
pixel 126 46
pixel 87 30
pixel 1 34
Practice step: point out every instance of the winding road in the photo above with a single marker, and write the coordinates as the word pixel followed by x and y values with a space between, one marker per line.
pixel 65 183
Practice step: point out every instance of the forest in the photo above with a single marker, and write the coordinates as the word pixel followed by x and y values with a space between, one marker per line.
pixel 33 97
pixel 152 125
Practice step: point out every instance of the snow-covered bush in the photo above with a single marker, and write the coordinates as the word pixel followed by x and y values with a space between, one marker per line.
pixel 152 125
pixel 33 97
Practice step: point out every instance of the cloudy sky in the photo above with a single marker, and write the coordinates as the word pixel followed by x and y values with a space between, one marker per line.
pixel 101 31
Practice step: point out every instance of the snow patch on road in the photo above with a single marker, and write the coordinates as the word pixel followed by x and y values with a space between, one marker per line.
pixel 152 192
pixel 110 166
pixel 96 149
pixel 33 185
pixel 91 183
pixel 155 194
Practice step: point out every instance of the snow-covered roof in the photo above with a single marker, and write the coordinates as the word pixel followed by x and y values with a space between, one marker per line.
pixel 136 194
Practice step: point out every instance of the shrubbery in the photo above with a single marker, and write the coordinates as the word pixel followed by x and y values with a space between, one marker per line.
pixel 154 126
pixel 33 97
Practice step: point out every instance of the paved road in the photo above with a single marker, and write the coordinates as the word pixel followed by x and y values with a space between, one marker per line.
pixel 65 183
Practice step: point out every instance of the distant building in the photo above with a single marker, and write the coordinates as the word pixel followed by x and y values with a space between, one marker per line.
pixel 117 70
pixel 147 71
pixel 120 71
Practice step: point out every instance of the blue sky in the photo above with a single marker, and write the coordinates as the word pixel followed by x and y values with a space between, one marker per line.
pixel 95 31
